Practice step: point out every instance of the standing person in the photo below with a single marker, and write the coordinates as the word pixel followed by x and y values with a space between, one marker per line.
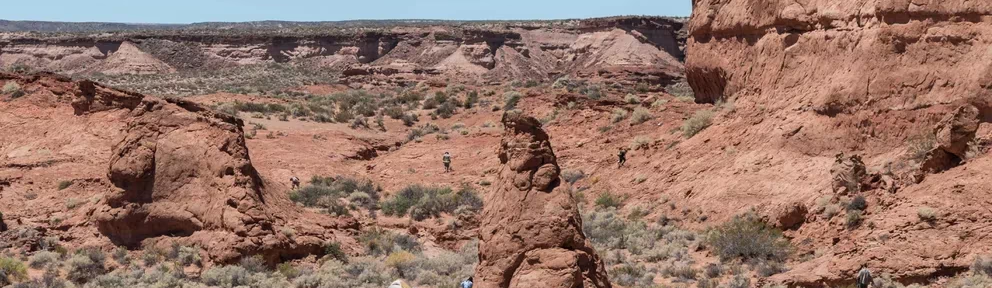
pixel 447 162
pixel 467 283
pixel 295 181
pixel 623 157
pixel 864 277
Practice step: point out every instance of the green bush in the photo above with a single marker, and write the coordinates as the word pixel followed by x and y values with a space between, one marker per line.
pixel 511 99
pixel 853 219
pixel 254 264
pixel 227 277
pixel 640 115
pixel 471 99
pixel 430 202
pixel 85 265
pixel 632 99
pixel 858 203
pixel 43 258
pixel 608 200
pixel 618 115
pixel 64 184
pixel 631 275
pixel 378 242
pixel 697 123
pixel 446 110
pixel 746 237
pixel 394 112
pixel 12 88
pixel 324 189
pixel 681 271
pixel 410 119
pixel 927 214
pixel 12 271
pixel 333 250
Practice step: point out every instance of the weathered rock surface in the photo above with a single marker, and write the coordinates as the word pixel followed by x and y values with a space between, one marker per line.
pixel 148 171
pixel 811 79
pixel 531 231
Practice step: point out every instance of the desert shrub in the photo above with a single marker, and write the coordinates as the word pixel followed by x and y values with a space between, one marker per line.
pixel 343 116
pixel 446 110
pixel 982 264
pixel 608 200
pixel 189 256
pixel 362 199
pixel 471 99
pixel 64 184
pixel 11 87
pixel 402 262
pixel 85 265
pixel 769 268
pixel 927 214
pixel 640 142
pixel 410 119
pixel 712 270
pixel 697 123
pixel 250 107
pixel 149 258
pixel 681 271
pixel 511 99
pixel 594 92
pixel 43 258
pixel 632 99
pixel 227 276
pixel 324 191
pixel 359 123
pixel 287 269
pixel 120 255
pixel 572 176
pixel 631 275
pixel 254 264
pixel 853 219
pixel 618 115
pixel 379 242
pixel 12 271
pixel 921 145
pixel 971 281
pixel 747 237
pixel 739 281
pixel 858 203
pixel 640 115
pixel 430 202
pixel 333 250
pixel 395 112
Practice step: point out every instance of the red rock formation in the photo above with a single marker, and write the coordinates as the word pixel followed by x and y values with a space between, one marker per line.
pixel 859 76
pixel 175 171
pixel 531 233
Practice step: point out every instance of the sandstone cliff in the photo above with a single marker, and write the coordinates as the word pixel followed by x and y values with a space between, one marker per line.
pixel 648 48
pixel 810 79
pixel 531 231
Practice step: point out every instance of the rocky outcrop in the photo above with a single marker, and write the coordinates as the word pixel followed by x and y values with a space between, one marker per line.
pixel 157 171
pixel 531 232
pixel 853 76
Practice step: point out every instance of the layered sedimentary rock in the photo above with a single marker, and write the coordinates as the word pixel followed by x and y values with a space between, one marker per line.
pixel 634 49
pixel 531 231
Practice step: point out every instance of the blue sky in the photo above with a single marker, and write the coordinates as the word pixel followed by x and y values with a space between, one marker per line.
pixel 188 11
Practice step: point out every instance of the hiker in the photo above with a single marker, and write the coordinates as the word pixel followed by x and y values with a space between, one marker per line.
pixel 623 157
pixel 864 277
pixel 295 181
pixel 447 162
pixel 467 283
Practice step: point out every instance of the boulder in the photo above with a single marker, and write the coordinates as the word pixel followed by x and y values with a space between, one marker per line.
pixel 531 230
